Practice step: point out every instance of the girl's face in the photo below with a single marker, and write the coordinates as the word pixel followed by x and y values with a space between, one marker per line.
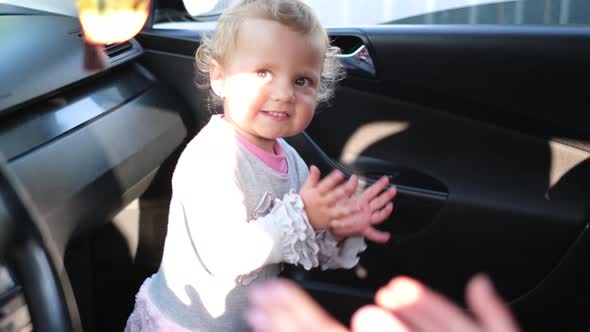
pixel 270 81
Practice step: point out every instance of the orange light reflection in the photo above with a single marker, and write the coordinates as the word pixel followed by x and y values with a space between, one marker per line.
pixel 114 26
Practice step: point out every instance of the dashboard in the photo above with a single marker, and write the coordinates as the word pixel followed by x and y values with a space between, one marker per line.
pixel 83 144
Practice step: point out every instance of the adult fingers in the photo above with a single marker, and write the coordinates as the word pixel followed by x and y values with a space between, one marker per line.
pixel 375 319
pixel 329 182
pixel 423 308
pixel 266 316
pixel 488 307
pixel 376 235
pixel 385 197
pixel 268 312
pixel 291 304
pixel 307 311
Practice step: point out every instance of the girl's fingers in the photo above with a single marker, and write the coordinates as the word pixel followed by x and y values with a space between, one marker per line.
pixel 375 319
pixel 376 235
pixel 374 189
pixel 338 194
pixel 313 178
pixel 329 182
pixel 342 213
pixel 344 227
pixel 488 307
pixel 385 197
pixel 378 217
pixel 422 308
pixel 351 185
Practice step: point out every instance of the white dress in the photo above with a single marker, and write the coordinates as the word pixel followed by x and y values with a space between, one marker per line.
pixel 233 221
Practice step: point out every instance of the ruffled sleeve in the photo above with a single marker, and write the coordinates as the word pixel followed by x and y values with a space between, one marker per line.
pixel 295 237
pixel 298 237
pixel 302 245
pixel 333 255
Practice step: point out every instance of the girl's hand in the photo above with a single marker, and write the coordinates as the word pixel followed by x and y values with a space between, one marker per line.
pixel 321 198
pixel 373 206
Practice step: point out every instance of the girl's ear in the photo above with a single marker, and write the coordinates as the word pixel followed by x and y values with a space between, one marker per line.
pixel 216 78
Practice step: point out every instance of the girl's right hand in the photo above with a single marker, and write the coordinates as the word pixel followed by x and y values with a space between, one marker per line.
pixel 321 197
pixel 374 207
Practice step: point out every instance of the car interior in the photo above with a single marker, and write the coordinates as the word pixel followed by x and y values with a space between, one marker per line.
pixel 482 128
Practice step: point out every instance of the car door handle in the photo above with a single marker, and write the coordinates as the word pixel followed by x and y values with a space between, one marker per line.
pixel 359 62
pixel 407 180
pixel 419 196
pixel 431 189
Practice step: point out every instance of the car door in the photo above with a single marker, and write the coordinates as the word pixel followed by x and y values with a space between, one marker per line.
pixel 482 128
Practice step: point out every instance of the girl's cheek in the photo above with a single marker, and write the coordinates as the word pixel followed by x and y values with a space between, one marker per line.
pixel 245 89
pixel 312 93
pixel 309 99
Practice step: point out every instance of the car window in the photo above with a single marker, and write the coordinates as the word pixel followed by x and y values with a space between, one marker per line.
pixel 355 12
pixel 63 7
pixel 529 12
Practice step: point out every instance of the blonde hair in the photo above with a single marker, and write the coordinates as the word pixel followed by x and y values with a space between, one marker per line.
pixel 292 13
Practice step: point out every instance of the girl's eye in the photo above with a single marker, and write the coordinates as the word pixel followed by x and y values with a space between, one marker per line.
pixel 302 81
pixel 262 73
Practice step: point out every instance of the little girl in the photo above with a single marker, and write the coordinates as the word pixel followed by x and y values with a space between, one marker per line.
pixel 243 200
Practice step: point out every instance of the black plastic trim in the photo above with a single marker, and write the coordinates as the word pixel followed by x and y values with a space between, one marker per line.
pixel 54 65
pixel 41 123
pixel 88 172
pixel 316 156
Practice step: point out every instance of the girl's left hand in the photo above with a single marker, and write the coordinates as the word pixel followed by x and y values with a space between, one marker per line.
pixel 373 206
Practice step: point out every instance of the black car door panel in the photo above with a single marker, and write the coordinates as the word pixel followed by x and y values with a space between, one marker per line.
pixel 483 131
pixel 483 115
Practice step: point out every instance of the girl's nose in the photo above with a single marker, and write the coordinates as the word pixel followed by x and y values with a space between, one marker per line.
pixel 283 91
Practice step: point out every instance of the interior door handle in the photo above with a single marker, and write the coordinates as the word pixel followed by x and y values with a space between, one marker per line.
pixel 419 197
pixel 359 62
pixel 402 177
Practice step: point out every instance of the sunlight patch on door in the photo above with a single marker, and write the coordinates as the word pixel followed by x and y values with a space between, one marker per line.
pixel 369 134
pixel 563 159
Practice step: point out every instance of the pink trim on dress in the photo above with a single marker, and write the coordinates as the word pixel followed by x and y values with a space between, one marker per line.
pixel 277 160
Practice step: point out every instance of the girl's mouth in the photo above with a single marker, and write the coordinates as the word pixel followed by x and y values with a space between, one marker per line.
pixel 276 115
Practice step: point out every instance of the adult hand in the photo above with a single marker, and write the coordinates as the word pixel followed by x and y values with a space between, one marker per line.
pixel 407 305
pixel 404 305
pixel 280 305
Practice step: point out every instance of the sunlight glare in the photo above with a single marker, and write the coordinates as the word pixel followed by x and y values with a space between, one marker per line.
pixel 106 23
pixel 563 159
pixel 200 7
pixel 369 134
pixel 398 293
